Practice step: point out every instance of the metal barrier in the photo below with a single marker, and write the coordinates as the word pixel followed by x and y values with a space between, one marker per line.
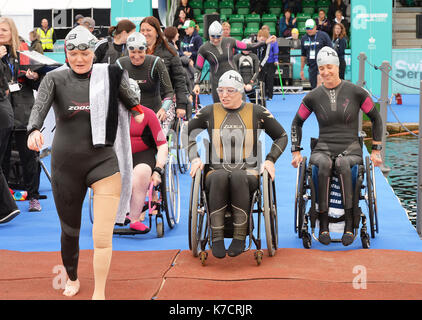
pixel 384 101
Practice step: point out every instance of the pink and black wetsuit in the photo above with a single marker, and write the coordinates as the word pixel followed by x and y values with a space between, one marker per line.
pixel 220 59
pixel 337 112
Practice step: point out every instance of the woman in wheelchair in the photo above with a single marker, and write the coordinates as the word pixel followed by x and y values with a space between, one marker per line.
pixel 232 171
pixel 149 154
pixel 336 104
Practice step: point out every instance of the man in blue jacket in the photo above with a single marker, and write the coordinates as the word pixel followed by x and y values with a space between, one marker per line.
pixel 192 41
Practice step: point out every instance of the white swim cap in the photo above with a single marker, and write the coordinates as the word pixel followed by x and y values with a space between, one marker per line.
pixel 80 38
pixel 327 55
pixel 232 79
pixel 136 41
pixel 215 29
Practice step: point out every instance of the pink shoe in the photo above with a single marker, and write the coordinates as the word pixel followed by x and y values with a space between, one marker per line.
pixel 139 226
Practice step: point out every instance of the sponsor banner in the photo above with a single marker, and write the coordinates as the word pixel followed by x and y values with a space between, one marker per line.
pixel 371 33
pixel 406 68
pixel 134 10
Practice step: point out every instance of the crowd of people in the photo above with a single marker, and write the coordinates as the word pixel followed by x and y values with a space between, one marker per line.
pixel 118 96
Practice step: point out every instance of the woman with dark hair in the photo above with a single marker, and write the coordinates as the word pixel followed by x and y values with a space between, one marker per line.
pixel 158 46
pixel 114 46
pixel 179 22
pixel 287 23
pixel 184 5
pixel 340 45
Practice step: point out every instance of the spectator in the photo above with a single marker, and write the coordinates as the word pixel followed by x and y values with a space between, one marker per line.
pixel 295 42
pixel 323 23
pixel 89 23
pixel 158 46
pixel 295 6
pixel 184 5
pixel 259 6
pixel 8 208
pixel 226 29
pixel 192 41
pixel 339 18
pixel 114 46
pixel 340 45
pixel 287 23
pixel 248 65
pixel 334 6
pixel 268 64
pixel 47 36
pixel 21 96
pixel 78 20
pixel 36 45
pixel 313 41
pixel 23 46
pixel 179 23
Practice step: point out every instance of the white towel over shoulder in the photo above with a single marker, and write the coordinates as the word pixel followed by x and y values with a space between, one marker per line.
pixel 99 92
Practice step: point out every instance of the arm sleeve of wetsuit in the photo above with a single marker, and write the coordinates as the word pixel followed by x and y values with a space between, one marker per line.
pixel 267 55
pixel 296 129
pixel 195 127
pixel 129 98
pixel 42 104
pixel 371 111
pixel 166 88
pixel 200 61
pixel 179 82
pixel 256 69
pixel 275 130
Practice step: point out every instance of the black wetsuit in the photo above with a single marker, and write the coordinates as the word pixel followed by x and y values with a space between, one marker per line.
pixel 220 59
pixel 106 51
pixel 234 159
pixel 337 113
pixel 75 163
pixel 153 80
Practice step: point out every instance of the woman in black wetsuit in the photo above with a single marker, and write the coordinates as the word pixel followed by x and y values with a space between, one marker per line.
pixel 233 166
pixel 336 104
pixel 81 157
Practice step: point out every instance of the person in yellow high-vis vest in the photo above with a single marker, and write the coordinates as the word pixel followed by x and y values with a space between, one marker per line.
pixel 47 36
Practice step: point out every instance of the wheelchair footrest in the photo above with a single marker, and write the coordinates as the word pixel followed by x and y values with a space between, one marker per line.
pixel 128 231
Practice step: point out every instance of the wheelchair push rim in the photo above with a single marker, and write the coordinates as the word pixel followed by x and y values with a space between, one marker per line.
pixel 300 204
pixel 270 214
pixel 371 196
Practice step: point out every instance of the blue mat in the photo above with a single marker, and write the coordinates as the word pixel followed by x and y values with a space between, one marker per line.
pixel 41 231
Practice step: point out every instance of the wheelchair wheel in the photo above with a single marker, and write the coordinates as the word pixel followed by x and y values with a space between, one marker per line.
pixel 91 204
pixel 170 193
pixel 197 217
pixel 300 205
pixel 371 196
pixel 270 214
pixel 181 151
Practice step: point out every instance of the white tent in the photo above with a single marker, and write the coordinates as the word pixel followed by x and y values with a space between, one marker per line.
pixel 22 11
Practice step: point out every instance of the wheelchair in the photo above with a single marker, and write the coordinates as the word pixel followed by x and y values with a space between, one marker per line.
pixel 177 146
pixel 263 202
pixel 167 201
pixel 364 190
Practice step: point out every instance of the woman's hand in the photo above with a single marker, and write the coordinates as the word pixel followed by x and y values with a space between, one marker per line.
pixel 248 87
pixel 269 166
pixel 195 165
pixel 297 159
pixel 156 178
pixel 196 89
pixel 161 115
pixel 271 39
pixel 180 113
pixel 31 75
pixel 35 141
pixel 139 118
pixel 3 51
pixel 376 158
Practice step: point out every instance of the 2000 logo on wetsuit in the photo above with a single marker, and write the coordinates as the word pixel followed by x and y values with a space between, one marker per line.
pixel 79 106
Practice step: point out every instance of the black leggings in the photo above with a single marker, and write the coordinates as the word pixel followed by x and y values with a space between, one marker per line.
pixel 225 189
pixel 343 167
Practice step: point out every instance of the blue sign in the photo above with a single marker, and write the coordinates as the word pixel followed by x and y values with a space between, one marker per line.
pixel 134 10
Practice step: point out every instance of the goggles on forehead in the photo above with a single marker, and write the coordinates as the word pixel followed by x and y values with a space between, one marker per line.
pixel 141 48
pixel 81 46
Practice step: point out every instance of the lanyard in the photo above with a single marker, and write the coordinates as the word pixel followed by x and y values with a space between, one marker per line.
pixel 316 34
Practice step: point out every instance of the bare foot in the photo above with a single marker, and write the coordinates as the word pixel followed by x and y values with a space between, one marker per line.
pixel 72 288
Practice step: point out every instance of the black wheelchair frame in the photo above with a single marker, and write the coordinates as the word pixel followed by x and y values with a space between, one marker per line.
pixel 305 191
pixel 263 202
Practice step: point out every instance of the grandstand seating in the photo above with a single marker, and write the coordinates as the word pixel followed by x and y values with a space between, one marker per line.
pixel 247 22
